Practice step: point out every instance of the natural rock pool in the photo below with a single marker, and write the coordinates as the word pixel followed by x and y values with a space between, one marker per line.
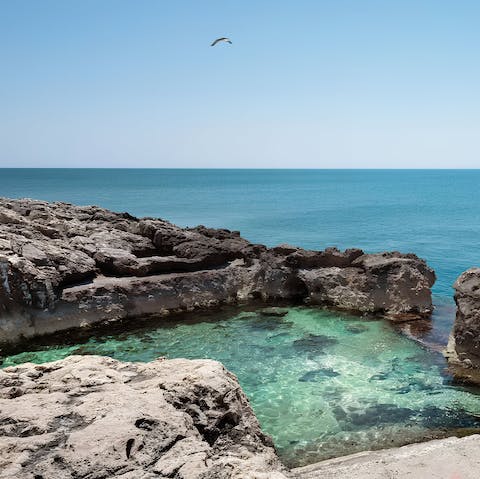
pixel 322 384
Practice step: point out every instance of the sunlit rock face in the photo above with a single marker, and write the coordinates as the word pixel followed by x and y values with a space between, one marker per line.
pixel 464 346
pixel 90 416
pixel 64 266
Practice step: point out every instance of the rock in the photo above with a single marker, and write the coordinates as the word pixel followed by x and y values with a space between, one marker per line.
pixel 94 417
pixel 65 266
pixel 356 328
pixel 314 344
pixel 35 255
pixel 318 375
pixel 453 458
pixel 273 311
pixel 331 257
pixel 284 249
pixel 394 285
pixel 463 351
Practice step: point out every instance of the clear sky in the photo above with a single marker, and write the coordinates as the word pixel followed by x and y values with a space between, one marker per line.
pixel 306 83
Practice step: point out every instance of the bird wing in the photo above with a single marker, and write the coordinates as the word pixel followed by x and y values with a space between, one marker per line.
pixel 218 40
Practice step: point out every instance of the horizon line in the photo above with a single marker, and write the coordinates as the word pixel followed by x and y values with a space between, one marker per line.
pixel 226 168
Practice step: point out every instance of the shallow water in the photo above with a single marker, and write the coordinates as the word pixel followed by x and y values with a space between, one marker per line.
pixel 322 384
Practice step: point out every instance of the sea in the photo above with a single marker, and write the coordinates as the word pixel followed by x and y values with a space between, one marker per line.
pixel 323 384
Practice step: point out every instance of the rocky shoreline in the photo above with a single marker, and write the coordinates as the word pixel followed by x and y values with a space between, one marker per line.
pixel 95 417
pixel 65 266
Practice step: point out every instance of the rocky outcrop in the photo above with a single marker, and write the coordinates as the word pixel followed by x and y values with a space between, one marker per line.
pixel 390 283
pixel 65 266
pixel 452 458
pixel 463 351
pixel 94 417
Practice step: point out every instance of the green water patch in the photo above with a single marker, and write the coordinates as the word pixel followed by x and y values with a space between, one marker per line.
pixel 322 384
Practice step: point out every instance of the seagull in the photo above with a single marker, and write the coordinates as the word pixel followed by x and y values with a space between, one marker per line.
pixel 219 40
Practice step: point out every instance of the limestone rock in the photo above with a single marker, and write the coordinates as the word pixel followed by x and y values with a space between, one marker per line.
pixel 452 458
pixel 65 266
pixel 94 417
pixel 392 284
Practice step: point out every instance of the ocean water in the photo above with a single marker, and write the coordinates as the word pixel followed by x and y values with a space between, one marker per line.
pixel 322 384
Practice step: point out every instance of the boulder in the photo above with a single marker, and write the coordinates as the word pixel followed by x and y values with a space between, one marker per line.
pixel 391 284
pixel 463 351
pixel 94 417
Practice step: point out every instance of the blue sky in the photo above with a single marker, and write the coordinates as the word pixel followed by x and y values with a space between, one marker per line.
pixel 311 84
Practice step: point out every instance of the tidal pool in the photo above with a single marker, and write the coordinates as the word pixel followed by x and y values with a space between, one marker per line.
pixel 322 384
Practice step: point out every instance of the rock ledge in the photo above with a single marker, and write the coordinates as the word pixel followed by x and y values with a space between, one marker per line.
pixel 65 266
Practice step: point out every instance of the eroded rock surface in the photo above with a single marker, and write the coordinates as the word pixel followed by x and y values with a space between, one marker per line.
pixel 94 417
pixel 463 350
pixel 451 458
pixel 64 266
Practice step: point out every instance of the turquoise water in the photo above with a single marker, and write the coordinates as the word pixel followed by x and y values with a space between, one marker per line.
pixel 322 384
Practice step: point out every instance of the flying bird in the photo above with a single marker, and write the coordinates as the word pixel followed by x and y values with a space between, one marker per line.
pixel 219 40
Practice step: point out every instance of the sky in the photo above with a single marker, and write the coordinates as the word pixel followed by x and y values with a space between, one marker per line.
pixel 305 84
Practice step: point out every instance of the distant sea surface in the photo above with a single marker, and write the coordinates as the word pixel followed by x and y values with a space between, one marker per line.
pixel 433 213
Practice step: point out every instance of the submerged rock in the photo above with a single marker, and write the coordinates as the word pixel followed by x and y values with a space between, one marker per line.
pixel 88 416
pixel 318 374
pixel 274 311
pixel 356 328
pixel 313 344
pixel 268 323
pixel 435 417
pixel 65 266
pixel 373 415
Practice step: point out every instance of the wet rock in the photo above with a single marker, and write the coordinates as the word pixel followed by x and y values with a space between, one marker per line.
pixel 279 312
pixel 268 323
pixel 314 344
pixel 356 328
pixel 435 417
pixel 379 414
pixel 88 416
